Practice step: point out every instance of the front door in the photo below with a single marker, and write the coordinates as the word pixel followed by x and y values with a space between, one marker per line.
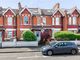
pixel 0 39
pixel 38 35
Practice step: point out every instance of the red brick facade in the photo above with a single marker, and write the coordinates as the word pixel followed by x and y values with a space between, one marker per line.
pixel 35 21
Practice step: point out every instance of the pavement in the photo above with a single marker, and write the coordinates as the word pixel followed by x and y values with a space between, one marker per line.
pixel 20 49
pixel 34 55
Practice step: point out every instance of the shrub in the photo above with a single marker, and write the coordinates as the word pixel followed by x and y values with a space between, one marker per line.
pixel 64 35
pixel 78 36
pixel 29 36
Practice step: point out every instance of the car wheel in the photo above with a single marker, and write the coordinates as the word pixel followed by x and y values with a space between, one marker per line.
pixel 73 51
pixel 49 52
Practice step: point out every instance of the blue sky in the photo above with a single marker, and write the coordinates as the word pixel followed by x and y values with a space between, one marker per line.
pixel 40 3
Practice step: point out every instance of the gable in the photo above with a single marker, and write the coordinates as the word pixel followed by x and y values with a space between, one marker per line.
pixel 75 12
pixel 25 11
pixel 9 12
pixel 58 13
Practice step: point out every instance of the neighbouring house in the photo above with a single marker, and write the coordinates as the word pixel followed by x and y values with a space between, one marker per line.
pixel 14 21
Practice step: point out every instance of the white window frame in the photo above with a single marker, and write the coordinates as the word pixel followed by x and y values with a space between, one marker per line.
pixel 10 21
pixel 53 21
pixel 57 21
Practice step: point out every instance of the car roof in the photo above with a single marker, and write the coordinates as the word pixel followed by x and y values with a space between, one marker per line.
pixel 62 41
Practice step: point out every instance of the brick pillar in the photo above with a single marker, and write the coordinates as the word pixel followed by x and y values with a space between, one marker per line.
pixel 2 26
pixel 18 27
pixel 65 22
pixel 78 20
pixel 78 23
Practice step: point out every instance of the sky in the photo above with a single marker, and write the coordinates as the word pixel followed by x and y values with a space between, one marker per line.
pixel 40 3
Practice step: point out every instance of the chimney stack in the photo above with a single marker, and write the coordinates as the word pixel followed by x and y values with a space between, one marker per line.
pixel 56 6
pixel 19 5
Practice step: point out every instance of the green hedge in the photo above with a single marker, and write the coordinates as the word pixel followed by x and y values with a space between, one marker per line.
pixel 78 36
pixel 29 36
pixel 65 35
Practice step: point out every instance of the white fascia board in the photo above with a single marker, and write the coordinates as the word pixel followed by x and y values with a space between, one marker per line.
pixel 72 29
pixel 57 28
pixel 10 29
pixel 25 29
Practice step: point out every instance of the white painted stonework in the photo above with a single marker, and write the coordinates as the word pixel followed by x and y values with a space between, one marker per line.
pixel 23 43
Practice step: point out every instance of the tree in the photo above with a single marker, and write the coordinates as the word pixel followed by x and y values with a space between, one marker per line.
pixel 45 37
pixel 29 36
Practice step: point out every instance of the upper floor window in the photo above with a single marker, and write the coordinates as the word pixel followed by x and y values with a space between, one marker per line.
pixel 10 21
pixel 53 21
pixel 38 20
pixel 74 20
pixel 69 20
pixel 57 21
pixel 44 20
pixel 25 19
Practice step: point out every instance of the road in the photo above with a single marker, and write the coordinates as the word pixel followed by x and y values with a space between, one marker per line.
pixel 33 55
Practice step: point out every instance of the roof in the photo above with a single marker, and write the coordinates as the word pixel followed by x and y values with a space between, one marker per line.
pixel 4 9
pixel 47 11
pixel 38 11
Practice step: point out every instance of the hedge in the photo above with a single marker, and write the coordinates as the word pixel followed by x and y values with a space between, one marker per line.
pixel 29 36
pixel 65 35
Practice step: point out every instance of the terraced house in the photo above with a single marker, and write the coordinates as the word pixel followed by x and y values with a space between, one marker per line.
pixel 14 21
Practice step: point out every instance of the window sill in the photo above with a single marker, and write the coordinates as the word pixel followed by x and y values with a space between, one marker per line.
pixel 25 24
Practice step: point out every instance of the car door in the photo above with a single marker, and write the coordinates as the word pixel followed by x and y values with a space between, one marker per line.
pixel 60 48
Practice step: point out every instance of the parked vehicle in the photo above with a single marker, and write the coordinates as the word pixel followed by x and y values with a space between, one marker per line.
pixel 60 47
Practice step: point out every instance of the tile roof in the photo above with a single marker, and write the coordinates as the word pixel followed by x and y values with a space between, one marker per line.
pixel 38 11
